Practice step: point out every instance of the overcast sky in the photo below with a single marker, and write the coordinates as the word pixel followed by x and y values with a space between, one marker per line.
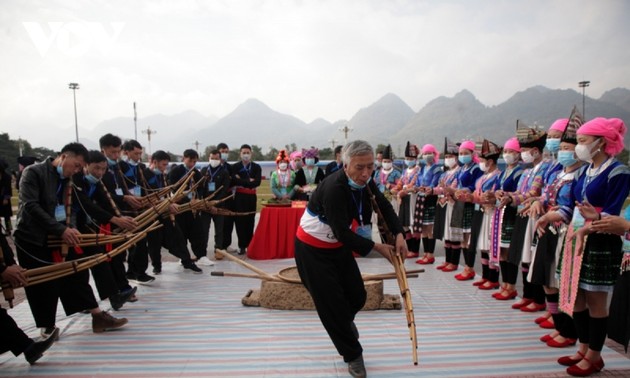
pixel 306 58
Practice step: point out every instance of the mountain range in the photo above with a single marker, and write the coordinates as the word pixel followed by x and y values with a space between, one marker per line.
pixel 388 120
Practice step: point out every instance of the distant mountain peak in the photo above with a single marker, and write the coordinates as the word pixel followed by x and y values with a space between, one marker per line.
pixel 252 105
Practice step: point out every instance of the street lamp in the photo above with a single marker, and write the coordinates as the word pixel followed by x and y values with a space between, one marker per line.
pixel 583 85
pixel 74 87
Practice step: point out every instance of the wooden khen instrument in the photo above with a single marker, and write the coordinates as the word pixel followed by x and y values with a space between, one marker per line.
pixel 399 266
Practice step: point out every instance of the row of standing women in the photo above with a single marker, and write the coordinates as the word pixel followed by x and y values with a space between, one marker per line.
pixel 546 215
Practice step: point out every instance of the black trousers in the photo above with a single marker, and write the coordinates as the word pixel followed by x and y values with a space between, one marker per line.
pixel 138 258
pixel 170 237
pixel 244 223
pixel 74 290
pixel 191 228
pixel 228 225
pixel 333 279
pixel 103 275
pixel 13 338
pixel 206 221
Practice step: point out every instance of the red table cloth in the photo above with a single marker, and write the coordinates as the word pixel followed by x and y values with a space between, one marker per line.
pixel 274 237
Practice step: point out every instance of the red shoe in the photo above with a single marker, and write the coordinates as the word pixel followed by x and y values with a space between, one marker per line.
pixel 450 268
pixel 522 303
pixel 568 361
pixel 533 307
pixel 498 293
pixel 546 338
pixel 425 260
pixel 547 324
pixel 542 318
pixel 480 282
pixel 593 367
pixel 411 255
pixel 465 276
pixel 442 266
pixel 489 285
pixel 557 344
pixel 508 295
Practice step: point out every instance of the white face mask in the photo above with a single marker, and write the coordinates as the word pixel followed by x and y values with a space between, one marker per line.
pixel 214 163
pixel 483 166
pixel 450 162
pixel 246 157
pixel 528 157
pixel 509 159
pixel 387 166
pixel 283 166
pixel 583 151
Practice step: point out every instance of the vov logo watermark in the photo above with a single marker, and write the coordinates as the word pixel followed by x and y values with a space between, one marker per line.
pixel 73 39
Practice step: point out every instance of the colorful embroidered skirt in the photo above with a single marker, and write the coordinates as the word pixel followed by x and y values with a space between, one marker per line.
pixel 507 226
pixel 601 262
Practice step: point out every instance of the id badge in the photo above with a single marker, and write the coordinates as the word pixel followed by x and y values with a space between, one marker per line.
pixel 365 231
pixel 60 213
pixel 283 191
pixel 137 191
pixel 578 219
pixel 626 244
pixel 118 191
pixel 211 187
pixel 477 207
pixel 190 196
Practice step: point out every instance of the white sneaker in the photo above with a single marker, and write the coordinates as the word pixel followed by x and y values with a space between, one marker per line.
pixel 231 249
pixel 204 261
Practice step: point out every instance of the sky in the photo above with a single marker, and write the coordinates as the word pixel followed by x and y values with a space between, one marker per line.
pixel 310 59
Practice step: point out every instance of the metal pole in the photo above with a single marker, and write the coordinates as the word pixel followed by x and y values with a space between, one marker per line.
pixel 583 85
pixel 74 87
pixel 135 121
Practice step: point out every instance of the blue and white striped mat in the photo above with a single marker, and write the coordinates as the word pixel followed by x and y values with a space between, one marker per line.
pixel 188 325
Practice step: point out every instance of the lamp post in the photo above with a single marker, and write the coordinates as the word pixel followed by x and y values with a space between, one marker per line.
pixel 583 85
pixel 74 87
pixel 149 132
pixel 135 121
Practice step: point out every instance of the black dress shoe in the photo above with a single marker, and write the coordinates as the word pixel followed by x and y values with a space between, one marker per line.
pixel 118 300
pixel 36 350
pixel 242 251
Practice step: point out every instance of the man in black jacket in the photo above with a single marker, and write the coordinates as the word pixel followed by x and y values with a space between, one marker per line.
pixel 188 222
pixel 133 183
pixel 111 147
pixel 246 176
pixel 43 211
pixel 217 184
pixel 169 236
pixel 335 165
pixel 13 338
pixel 325 241
pixel 95 214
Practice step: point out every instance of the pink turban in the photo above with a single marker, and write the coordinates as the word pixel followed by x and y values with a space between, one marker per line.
pixel 470 146
pixel 512 144
pixel 612 130
pixel 295 154
pixel 559 125
pixel 430 149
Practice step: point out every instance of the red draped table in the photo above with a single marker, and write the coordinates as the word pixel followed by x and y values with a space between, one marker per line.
pixel 274 237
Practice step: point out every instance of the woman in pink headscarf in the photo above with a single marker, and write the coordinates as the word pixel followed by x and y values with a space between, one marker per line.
pixel 426 201
pixel 590 267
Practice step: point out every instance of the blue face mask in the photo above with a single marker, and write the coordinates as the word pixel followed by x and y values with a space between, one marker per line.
pixel 224 156
pixel 465 159
pixel 354 185
pixel 410 163
pixel 310 161
pixel 157 171
pixel 566 158
pixel 131 162
pixel 91 179
pixel 111 162
pixel 60 170
pixel 553 145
